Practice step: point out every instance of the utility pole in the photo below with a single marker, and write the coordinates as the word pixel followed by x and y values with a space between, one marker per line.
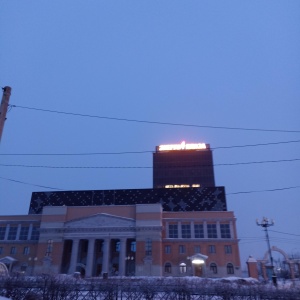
pixel 265 223
pixel 3 107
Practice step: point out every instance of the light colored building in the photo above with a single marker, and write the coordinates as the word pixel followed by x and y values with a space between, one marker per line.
pixel 124 240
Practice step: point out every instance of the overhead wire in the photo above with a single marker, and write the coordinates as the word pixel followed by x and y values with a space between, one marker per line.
pixel 140 152
pixel 145 167
pixel 154 122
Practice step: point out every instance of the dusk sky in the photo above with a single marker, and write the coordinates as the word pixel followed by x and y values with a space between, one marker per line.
pixel 92 80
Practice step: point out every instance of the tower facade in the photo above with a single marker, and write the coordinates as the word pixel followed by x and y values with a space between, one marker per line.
pixel 183 165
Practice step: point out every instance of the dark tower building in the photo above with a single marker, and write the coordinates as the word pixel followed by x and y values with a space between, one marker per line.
pixel 183 165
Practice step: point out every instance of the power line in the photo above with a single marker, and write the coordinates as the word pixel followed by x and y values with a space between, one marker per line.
pixel 146 167
pixel 285 233
pixel 268 190
pixel 245 192
pixel 139 152
pixel 22 182
pixel 156 122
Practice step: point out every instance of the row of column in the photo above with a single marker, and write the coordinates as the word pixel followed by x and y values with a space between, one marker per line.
pixel 91 256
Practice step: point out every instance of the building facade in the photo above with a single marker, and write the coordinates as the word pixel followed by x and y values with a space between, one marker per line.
pixel 121 240
pixel 181 227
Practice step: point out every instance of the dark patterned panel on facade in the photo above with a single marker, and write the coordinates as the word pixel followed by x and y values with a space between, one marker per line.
pixel 184 199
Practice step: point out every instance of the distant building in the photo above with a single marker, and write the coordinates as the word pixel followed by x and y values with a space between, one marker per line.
pixel 183 165
pixel 133 232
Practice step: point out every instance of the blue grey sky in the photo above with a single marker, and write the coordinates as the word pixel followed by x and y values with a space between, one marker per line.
pixel 209 63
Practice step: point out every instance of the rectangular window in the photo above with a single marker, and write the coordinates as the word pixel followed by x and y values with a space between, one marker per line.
pixel 173 231
pixel 26 250
pixel 199 232
pixel 13 250
pixel 225 231
pixel 1 250
pixel 212 231
pixel 181 249
pixel 228 249
pixel 186 231
pixel 197 249
pixel 2 232
pixel 49 247
pixel 148 247
pixel 133 246
pixel 211 249
pixel 24 233
pixel 35 233
pixel 167 249
pixel 12 234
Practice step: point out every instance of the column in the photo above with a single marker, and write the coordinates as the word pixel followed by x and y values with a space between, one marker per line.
pixel 218 230
pixel 205 229
pixel 29 232
pixel 105 258
pixel 231 230
pixel 74 256
pixel 6 232
pixel 192 230
pixel 90 258
pixel 122 257
pixel 179 230
pixel 167 229
pixel 18 232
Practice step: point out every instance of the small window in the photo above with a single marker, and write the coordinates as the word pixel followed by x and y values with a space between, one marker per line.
pixel 168 268
pixel 182 268
pixel 213 268
pixel 186 231
pixel 230 269
pixel 225 231
pixel 35 234
pixel 24 233
pixel 26 250
pixel 133 246
pixel 13 250
pixel 198 230
pixel 197 249
pixel 228 249
pixel 1 250
pixel 181 249
pixel 173 231
pixel 117 246
pixel 2 232
pixel 212 231
pixel 167 249
pixel 12 234
pixel 212 249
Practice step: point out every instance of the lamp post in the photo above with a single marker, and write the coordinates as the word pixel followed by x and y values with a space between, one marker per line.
pixel 265 223
pixel 129 261
pixel 33 260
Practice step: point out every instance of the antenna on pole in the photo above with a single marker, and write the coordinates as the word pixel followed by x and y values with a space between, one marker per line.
pixel 3 107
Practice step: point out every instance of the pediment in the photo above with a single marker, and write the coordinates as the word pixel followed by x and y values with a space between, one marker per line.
pixel 100 220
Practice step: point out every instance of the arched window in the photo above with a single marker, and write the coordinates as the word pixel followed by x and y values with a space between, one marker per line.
pixel 230 269
pixel 168 268
pixel 182 268
pixel 213 267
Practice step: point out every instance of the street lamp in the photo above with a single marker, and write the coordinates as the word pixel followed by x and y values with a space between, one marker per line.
pixel 129 262
pixel 33 259
pixel 265 223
